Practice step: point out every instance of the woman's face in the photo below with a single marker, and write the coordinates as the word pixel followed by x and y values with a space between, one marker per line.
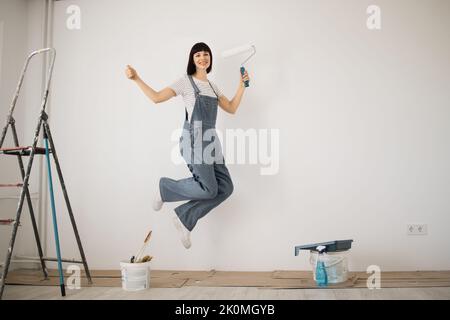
pixel 202 60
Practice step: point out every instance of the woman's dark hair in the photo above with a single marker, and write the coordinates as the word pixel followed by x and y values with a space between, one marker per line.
pixel 200 46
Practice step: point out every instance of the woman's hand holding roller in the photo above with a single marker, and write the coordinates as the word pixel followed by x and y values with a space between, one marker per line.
pixel 244 77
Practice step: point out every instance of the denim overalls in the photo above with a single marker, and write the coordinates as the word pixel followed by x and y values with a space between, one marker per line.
pixel 210 183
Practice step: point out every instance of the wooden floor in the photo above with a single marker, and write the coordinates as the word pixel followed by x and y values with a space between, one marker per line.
pixel 19 292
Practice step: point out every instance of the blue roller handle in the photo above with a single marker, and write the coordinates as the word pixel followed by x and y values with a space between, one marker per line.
pixel 55 224
pixel 246 82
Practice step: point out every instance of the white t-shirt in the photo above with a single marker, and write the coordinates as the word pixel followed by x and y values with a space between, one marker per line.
pixel 183 87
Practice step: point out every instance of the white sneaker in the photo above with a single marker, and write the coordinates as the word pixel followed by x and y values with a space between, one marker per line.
pixel 157 200
pixel 185 234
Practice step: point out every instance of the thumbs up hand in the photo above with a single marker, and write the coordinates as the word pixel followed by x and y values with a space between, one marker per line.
pixel 131 73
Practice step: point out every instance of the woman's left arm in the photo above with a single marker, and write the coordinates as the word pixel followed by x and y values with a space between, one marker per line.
pixel 232 106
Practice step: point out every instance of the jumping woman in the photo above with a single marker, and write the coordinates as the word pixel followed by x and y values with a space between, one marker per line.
pixel 210 183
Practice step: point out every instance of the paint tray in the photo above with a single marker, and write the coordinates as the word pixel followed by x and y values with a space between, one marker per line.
pixel 330 246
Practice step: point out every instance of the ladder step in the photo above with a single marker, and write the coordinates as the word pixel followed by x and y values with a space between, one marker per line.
pixel 64 260
pixel 7 222
pixel 34 259
pixel 8 185
pixel 22 151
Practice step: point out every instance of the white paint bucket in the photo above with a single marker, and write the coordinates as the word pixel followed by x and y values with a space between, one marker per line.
pixel 336 265
pixel 135 276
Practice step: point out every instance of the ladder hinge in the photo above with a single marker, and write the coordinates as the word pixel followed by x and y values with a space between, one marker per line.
pixel 44 116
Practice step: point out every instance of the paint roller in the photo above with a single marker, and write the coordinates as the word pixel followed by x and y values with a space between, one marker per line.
pixel 239 50
pixel 55 223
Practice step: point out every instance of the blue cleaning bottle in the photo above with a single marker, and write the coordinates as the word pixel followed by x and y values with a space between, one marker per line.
pixel 321 273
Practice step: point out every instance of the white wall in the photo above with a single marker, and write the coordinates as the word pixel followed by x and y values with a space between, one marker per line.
pixel 22 33
pixel 363 118
pixel 12 55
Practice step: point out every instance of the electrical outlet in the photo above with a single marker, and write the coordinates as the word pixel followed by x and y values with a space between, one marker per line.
pixel 417 229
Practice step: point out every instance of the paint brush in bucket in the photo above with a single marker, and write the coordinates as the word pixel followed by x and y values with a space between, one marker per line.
pixel 135 258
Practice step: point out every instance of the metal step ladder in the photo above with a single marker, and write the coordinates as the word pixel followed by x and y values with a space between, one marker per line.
pixel 31 151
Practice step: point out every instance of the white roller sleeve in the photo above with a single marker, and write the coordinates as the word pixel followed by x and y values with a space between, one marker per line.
pixel 237 50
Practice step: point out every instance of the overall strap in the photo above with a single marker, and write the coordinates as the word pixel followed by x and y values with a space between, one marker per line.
pixel 196 90
pixel 213 89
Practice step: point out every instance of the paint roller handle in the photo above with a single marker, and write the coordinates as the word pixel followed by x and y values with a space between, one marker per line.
pixel 246 82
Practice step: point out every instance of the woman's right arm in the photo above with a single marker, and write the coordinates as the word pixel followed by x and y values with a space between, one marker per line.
pixel 155 96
